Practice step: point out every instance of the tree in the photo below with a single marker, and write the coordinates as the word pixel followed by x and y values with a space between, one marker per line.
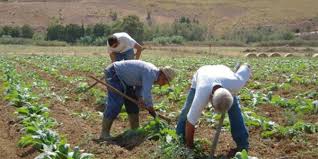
pixel 133 26
pixel 184 20
pixel 148 18
pixel 26 31
pixel 100 30
pixel 56 32
pixel 190 31
pixel 113 15
pixel 11 31
pixel 1 32
pixel 89 30
pixel 15 32
pixel 73 32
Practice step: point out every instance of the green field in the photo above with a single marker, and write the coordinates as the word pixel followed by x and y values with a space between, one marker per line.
pixel 277 104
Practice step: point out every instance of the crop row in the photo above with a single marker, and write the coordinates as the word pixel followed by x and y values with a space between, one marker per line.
pixel 34 116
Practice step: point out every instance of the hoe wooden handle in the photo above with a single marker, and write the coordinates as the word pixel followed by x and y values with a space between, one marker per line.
pixel 216 136
pixel 111 88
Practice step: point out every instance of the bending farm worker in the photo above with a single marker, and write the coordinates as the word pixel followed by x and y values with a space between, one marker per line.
pixel 121 47
pixel 219 85
pixel 123 75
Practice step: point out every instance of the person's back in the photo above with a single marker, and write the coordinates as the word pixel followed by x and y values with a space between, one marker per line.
pixel 219 85
pixel 125 41
pixel 121 47
pixel 209 75
pixel 133 72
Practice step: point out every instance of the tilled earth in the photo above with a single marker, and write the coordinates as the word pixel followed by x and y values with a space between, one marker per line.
pixel 81 131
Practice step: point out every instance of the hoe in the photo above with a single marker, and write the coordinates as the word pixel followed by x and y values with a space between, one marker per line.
pixel 128 98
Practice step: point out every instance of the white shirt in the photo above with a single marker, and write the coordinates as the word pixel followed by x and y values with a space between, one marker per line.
pixel 206 78
pixel 125 43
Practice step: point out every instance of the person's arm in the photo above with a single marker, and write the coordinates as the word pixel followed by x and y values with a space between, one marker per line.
pixel 189 134
pixel 147 82
pixel 200 100
pixel 138 50
pixel 151 110
pixel 112 56
pixel 244 74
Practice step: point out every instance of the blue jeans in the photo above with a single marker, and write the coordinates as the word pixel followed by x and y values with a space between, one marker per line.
pixel 238 128
pixel 114 100
pixel 127 55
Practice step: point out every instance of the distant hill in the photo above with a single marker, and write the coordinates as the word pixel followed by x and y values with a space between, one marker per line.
pixel 219 15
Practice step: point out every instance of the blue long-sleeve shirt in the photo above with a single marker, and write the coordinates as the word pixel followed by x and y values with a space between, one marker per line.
pixel 140 74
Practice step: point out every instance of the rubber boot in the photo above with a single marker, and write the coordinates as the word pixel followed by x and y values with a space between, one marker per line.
pixel 133 120
pixel 106 125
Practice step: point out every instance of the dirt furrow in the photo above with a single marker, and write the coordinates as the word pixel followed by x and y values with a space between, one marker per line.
pixel 80 131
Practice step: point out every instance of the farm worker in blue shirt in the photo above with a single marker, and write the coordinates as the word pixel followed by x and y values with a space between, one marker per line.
pixel 121 47
pixel 136 73
pixel 219 85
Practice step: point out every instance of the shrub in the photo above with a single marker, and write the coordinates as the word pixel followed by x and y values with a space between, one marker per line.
pixel 1 32
pixel 177 39
pixel 258 34
pixel 100 30
pixel 39 36
pixel 189 30
pixel 164 40
pixel 25 41
pixel 100 41
pixel 133 26
pixel 49 43
pixel 89 30
pixel 11 31
pixel 86 40
pixel 73 32
pixel 26 31
pixel 15 32
pixel 15 41
pixel 56 32
pixel 156 31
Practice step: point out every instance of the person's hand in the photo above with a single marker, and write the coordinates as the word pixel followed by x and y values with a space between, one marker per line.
pixel 136 57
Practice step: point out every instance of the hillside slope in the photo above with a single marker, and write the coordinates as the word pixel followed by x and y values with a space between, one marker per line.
pixel 219 15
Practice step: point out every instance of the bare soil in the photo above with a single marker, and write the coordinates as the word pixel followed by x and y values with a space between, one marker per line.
pixel 80 131
pixel 10 132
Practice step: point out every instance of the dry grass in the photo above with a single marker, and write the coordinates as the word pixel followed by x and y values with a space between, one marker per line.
pixel 289 55
pixel 262 55
pixel 101 50
pixel 220 15
pixel 250 55
pixel 275 55
pixel 69 50
pixel 175 51
pixel 224 15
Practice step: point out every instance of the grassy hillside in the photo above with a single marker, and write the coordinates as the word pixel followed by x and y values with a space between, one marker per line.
pixel 219 15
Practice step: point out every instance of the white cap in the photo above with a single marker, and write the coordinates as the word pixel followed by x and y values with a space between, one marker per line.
pixel 222 100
